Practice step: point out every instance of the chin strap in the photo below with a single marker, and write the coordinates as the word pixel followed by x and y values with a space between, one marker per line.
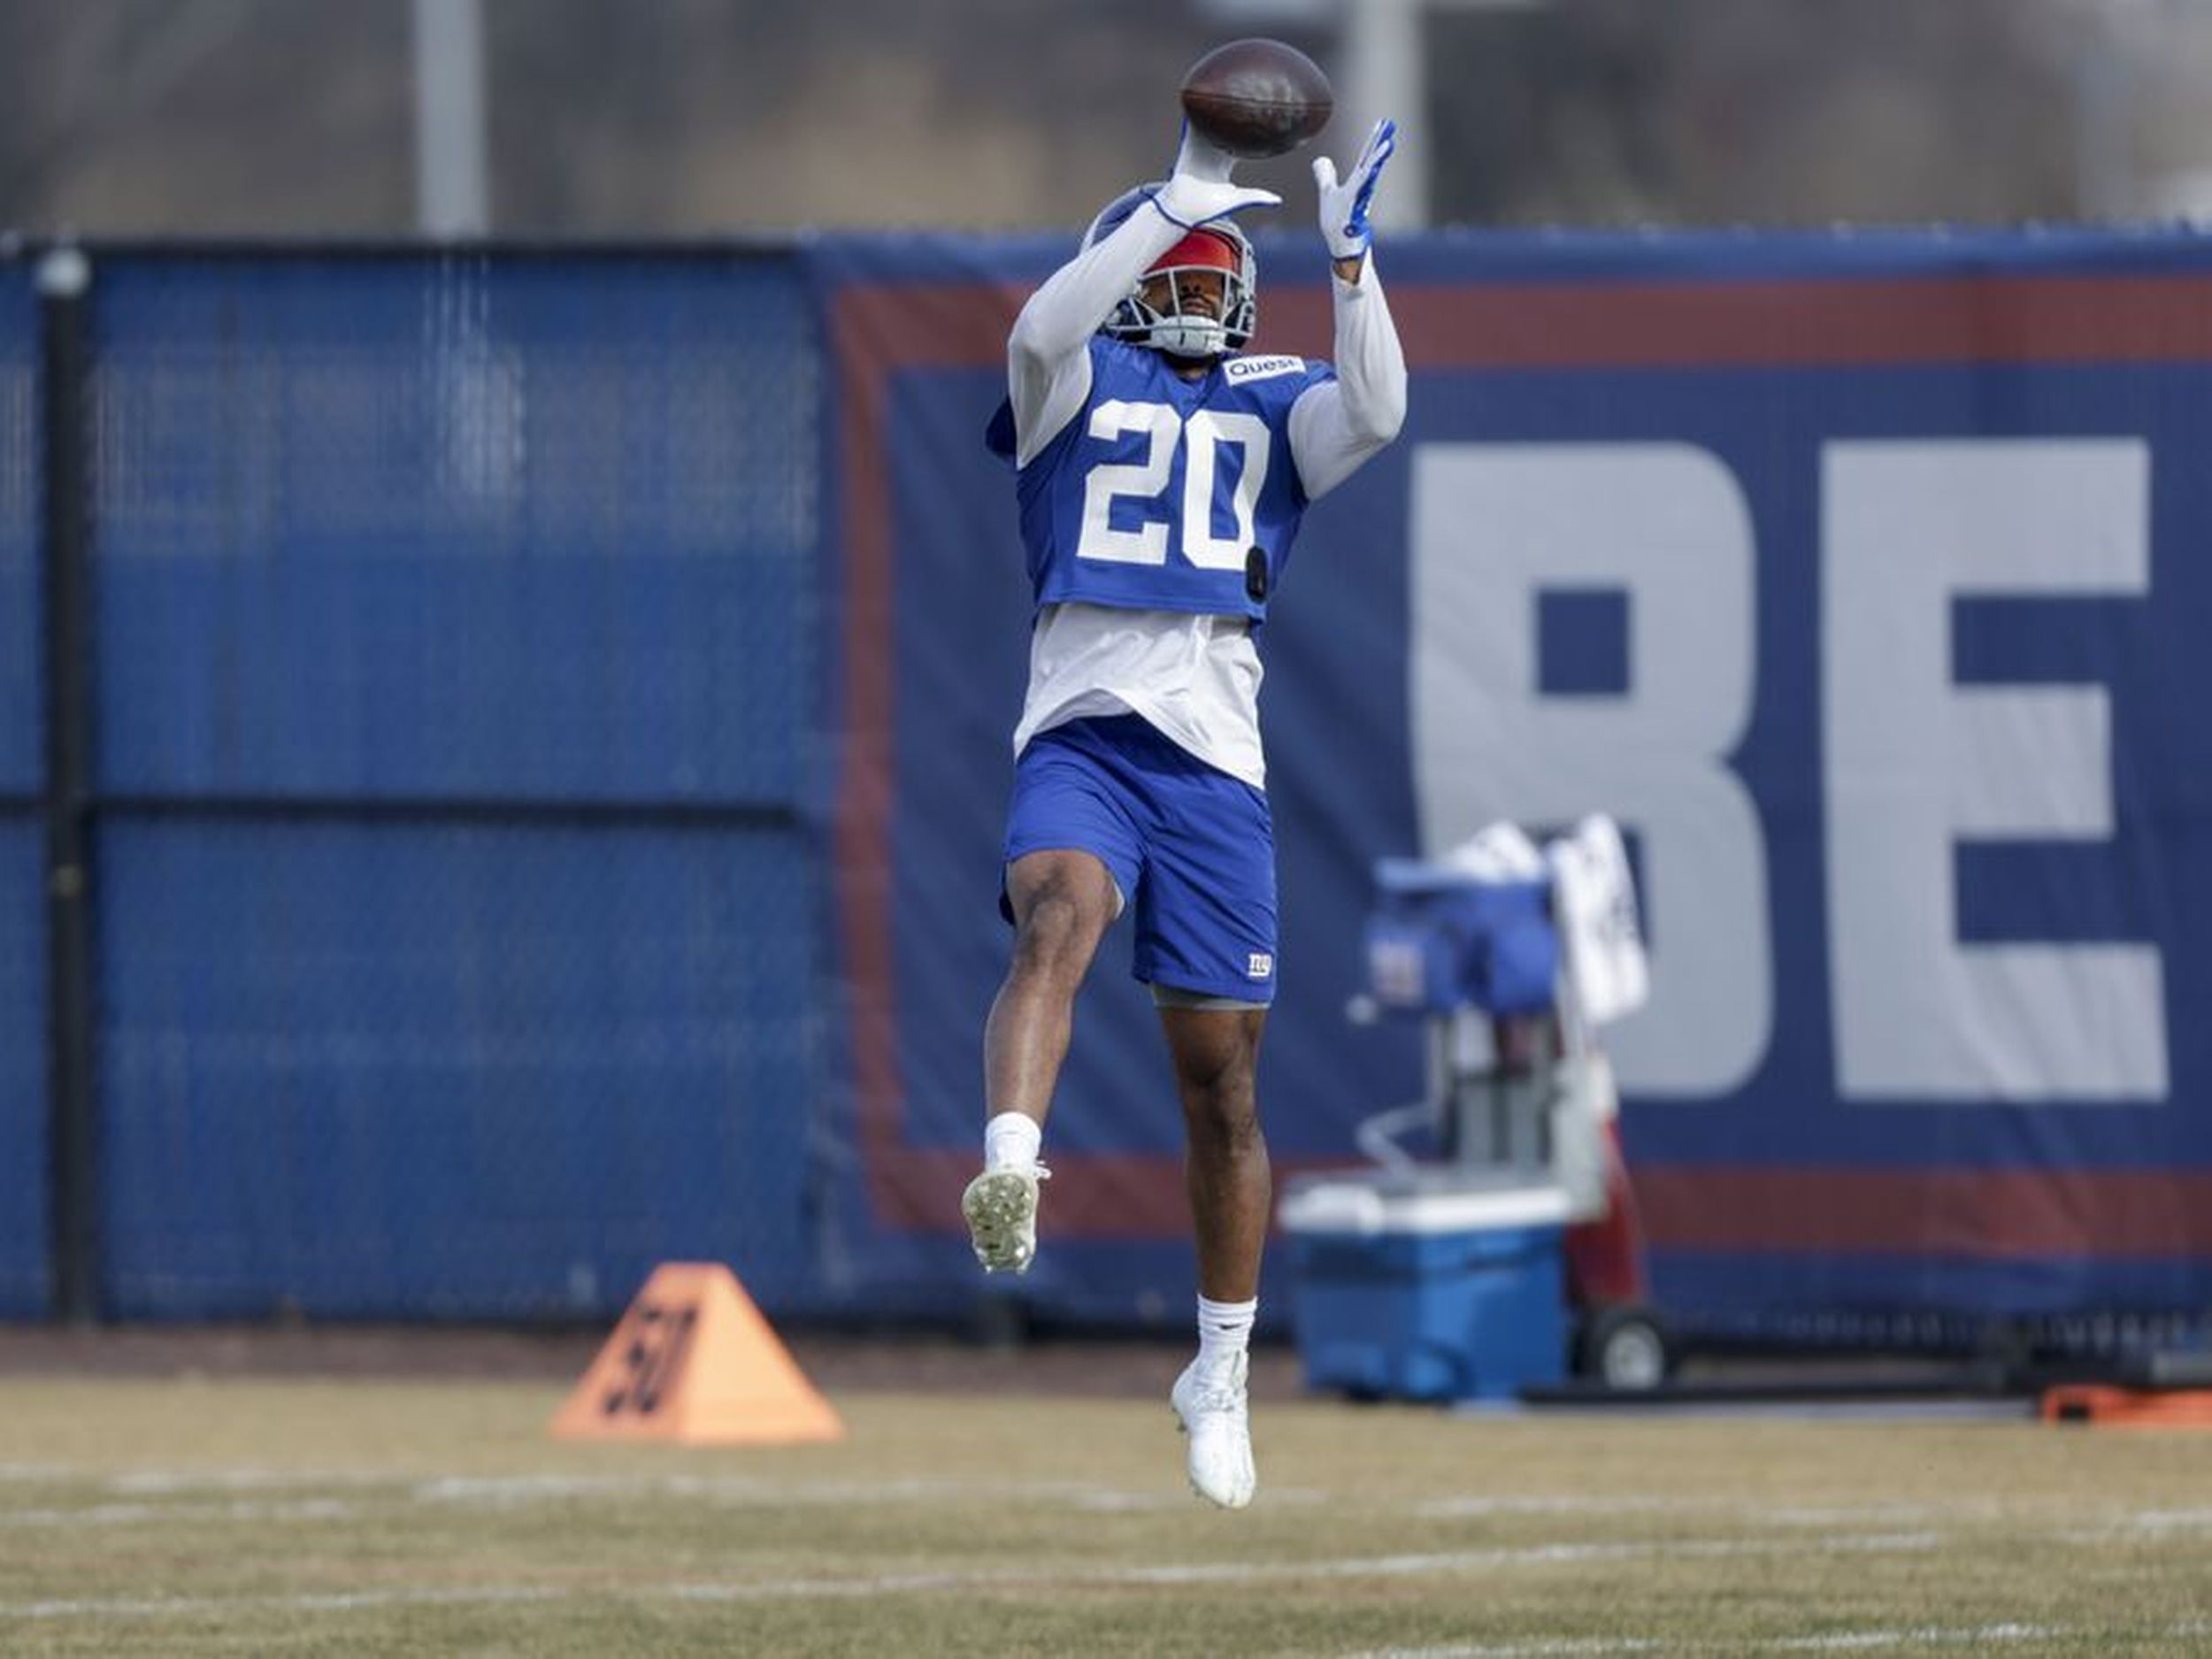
pixel 1190 337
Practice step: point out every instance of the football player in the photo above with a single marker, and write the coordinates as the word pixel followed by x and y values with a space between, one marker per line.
pixel 1161 474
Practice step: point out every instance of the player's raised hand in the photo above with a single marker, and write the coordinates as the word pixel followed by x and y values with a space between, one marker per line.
pixel 1344 205
pixel 1199 188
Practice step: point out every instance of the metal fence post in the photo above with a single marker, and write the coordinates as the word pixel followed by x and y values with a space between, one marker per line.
pixel 63 281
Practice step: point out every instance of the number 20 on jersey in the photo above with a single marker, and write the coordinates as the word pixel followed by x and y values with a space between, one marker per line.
pixel 1198 441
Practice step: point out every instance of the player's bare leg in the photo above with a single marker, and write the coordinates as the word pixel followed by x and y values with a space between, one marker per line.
pixel 1063 903
pixel 1225 1170
pixel 1226 1173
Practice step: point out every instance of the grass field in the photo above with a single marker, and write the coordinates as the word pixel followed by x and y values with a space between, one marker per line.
pixel 340 1517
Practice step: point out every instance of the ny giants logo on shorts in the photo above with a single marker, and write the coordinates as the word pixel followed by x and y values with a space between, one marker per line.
pixel 1259 965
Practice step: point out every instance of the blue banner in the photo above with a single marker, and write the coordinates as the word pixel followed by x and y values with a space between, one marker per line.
pixel 1856 576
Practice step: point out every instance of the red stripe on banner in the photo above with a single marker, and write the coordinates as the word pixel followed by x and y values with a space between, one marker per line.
pixel 1119 1195
pixel 1105 1195
pixel 861 827
pixel 1782 324
pixel 1988 1215
pixel 875 332
pixel 1985 1214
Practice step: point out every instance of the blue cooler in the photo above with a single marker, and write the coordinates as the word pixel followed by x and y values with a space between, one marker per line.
pixel 1427 1285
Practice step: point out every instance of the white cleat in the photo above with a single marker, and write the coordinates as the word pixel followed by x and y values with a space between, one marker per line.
pixel 1001 1206
pixel 1211 1406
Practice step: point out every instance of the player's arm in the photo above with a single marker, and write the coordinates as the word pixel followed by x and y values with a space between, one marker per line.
pixel 1047 355
pixel 1337 425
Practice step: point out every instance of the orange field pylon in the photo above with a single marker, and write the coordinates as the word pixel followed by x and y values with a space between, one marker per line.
pixel 2129 1408
pixel 693 1361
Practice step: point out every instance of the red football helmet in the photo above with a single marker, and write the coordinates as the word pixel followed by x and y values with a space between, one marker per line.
pixel 1218 245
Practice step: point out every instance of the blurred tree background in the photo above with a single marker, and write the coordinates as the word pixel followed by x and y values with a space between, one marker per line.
pixel 613 118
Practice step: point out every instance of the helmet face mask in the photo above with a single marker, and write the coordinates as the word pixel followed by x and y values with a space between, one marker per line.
pixel 1219 249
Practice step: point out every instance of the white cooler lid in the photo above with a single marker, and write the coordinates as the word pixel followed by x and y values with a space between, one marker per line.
pixel 1386 1203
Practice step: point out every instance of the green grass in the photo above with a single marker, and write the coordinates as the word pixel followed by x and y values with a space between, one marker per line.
pixel 367 1518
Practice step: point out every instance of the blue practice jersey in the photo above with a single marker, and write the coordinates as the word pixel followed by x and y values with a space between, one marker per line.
pixel 1163 493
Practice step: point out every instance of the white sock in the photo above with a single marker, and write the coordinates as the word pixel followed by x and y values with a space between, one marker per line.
pixel 1011 1141
pixel 1225 1330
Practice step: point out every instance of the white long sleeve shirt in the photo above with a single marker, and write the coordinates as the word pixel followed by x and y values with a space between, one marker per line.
pixel 1195 677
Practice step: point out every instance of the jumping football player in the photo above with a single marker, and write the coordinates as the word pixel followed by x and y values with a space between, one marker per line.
pixel 1160 477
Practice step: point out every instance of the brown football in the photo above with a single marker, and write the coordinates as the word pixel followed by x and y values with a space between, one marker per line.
pixel 1257 98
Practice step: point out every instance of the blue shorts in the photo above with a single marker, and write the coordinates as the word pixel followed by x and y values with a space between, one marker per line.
pixel 1192 848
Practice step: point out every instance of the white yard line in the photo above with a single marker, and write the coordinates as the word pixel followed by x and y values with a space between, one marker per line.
pixel 96 1515
pixel 155 1482
pixel 145 1488
pixel 1437 1564
pixel 1542 1647
pixel 522 1490
pixel 345 1601
pixel 1904 1640
pixel 551 1486
pixel 314 1499
pixel 2167 1520
pixel 532 1491
pixel 1772 1515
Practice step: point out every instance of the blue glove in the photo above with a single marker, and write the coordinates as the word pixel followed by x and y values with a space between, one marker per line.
pixel 1344 206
